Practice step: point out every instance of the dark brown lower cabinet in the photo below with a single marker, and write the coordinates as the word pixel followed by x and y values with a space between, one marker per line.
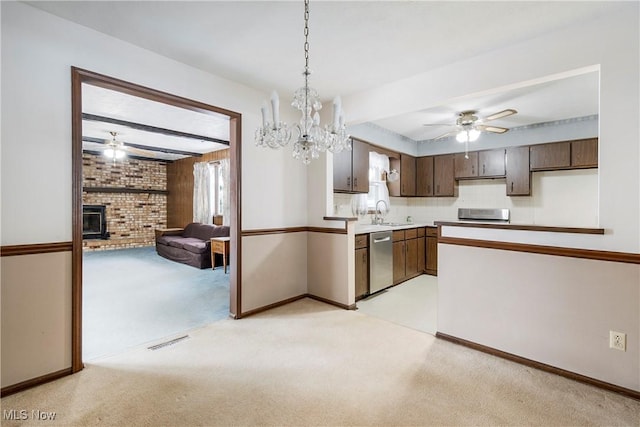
pixel 431 267
pixel 398 261
pixel 362 266
pixel 408 254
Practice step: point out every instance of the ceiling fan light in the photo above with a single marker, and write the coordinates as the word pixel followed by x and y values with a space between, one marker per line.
pixel 474 134
pixel 109 152
pixel 461 136
pixel 120 154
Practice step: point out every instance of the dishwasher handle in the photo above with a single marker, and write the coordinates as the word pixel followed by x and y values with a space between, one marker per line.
pixel 384 239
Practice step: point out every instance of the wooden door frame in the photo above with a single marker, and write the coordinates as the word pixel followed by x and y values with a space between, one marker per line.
pixel 79 76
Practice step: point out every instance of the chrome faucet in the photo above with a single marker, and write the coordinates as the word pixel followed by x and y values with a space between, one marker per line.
pixel 379 216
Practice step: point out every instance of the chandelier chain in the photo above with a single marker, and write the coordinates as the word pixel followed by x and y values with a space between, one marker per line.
pixel 306 36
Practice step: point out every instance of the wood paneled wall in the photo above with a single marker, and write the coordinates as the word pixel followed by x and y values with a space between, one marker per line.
pixel 180 187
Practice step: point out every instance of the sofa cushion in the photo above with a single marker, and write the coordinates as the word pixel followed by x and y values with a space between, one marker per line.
pixel 205 231
pixel 165 240
pixel 195 246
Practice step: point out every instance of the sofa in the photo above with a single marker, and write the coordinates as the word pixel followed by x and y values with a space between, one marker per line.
pixel 190 245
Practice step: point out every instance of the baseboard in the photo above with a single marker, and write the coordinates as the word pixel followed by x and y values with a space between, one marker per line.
pixel 328 301
pixel 541 366
pixel 293 299
pixel 270 306
pixel 15 388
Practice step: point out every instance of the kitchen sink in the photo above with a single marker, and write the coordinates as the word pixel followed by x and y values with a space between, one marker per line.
pixel 395 224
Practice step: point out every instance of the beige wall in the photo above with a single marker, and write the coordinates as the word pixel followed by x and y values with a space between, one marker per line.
pixel 555 310
pixel 331 267
pixel 272 268
pixel 36 315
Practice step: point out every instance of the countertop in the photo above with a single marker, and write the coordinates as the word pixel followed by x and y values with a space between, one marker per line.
pixel 371 228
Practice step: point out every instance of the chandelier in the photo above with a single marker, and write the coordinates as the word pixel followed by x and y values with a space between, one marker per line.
pixel 312 138
pixel 115 149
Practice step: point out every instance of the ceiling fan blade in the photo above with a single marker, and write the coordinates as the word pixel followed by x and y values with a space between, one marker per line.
pixel 500 114
pixel 438 124
pixel 494 129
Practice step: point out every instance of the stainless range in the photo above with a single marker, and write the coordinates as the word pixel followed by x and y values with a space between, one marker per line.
pixel 485 215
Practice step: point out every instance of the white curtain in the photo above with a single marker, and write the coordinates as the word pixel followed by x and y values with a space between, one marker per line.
pixel 226 193
pixel 202 193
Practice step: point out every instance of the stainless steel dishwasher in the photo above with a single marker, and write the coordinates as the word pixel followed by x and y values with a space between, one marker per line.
pixel 380 261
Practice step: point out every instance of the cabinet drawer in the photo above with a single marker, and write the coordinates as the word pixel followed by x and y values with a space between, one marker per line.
pixel 432 231
pixel 421 232
pixel 362 241
pixel 398 235
pixel 411 233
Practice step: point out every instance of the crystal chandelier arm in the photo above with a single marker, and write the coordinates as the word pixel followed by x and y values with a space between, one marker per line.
pixel 275 108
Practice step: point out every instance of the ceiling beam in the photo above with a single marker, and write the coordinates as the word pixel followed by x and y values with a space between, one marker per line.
pixel 148 128
pixel 131 156
pixel 144 147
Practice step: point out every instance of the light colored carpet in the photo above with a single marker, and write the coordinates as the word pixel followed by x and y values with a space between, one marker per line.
pixel 308 363
pixel 413 304
pixel 134 296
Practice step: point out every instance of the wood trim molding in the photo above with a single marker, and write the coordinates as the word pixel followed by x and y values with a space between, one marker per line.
pixel 340 218
pixel 541 366
pixel 122 190
pixel 37 248
pixel 274 305
pixel 15 388
pixel 267 231
pixel 334 303
pixel 327 230
pixel 578 230
pixel 625 257
pixel 294 299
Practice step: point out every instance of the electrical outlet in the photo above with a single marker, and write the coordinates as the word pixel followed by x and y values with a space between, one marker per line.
pixel 618 340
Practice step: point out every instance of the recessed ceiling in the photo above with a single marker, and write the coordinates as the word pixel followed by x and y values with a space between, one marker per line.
pixel 567 98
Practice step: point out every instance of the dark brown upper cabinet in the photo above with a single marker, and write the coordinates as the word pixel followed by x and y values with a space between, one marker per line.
pixel 443 176
pixel 584 153
pixel 407 175
pixel 554 156
pixel 351 169
pixel 517 171
pixel 491 163
pixel 466 165
pixel 424 176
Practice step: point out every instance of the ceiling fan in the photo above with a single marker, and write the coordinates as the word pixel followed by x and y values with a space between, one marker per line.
pixel 117 150
pixel 469 126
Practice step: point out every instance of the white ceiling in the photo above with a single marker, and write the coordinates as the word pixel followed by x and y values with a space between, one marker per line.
pixel 354 46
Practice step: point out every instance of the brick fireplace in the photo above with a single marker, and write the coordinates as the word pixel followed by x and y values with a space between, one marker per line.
pixel 133 194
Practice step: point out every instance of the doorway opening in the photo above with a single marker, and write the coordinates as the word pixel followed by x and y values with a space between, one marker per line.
pixel 83 78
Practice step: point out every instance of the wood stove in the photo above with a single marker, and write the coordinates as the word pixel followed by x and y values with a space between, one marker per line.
pixel 94 222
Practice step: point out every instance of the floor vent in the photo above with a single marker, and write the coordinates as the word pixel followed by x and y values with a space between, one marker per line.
pixel 168 343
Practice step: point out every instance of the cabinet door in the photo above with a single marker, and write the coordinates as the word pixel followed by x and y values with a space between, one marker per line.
pixel 518 174
pixel 342 172
pixel 584 153
pixel 443 177
pixel 421 254
pixel 552 156
pixel 491 163
pixel 432 256
pixel 398 261
pixel 360 164
pixel 362 272
pixel 424 176
pixel 466 167
pixel 411 263
pixel 407 175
